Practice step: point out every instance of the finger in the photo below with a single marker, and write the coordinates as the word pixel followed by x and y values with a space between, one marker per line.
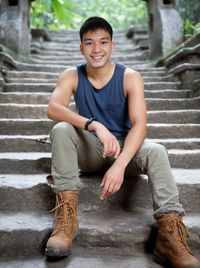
pixel 112 147
pixel 105 149
pixel 102 196
pixel 108 149
pixel 116 188
pixel 110 191
pixel 104 191
pixel 105 195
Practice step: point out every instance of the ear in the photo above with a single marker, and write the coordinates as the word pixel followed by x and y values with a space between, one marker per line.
pixel 113 46
pixel 81 48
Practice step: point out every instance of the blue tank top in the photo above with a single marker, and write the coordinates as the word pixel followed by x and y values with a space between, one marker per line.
pixel 108 105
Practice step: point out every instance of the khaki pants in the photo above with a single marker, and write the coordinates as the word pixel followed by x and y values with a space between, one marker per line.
pixel 74 149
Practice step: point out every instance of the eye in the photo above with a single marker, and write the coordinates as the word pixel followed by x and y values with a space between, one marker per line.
pixel 88 43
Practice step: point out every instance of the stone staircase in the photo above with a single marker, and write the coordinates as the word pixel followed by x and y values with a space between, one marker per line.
pixel 119 232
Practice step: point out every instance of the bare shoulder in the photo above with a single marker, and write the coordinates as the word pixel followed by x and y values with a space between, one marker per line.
pixel 132 74
pixel 68 78
pixel 132 80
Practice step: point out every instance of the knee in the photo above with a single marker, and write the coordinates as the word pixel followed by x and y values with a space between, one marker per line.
pixel 62 129
pixel 157 150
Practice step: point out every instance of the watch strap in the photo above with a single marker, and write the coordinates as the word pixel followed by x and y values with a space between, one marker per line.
pixel 88 122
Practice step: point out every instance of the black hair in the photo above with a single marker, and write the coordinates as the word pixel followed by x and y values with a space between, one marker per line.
pixel 94 23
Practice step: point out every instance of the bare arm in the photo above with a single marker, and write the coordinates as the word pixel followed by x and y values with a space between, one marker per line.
pixel 137 113
pixel 134 88
pixel 58 108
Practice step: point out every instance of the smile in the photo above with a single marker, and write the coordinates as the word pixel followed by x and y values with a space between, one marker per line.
pixel 97 58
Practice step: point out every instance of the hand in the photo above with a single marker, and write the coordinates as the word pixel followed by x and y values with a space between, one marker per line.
pixel 110 143
pixel 112 181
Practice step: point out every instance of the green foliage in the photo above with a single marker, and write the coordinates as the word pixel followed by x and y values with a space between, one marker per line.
pixel 60 14
pixel 188 27
pixel 52 14
pixel 191 28
pixel 121 14
pixel 190 11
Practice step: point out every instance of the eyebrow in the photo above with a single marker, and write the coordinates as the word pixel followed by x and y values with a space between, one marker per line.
pixel 90 39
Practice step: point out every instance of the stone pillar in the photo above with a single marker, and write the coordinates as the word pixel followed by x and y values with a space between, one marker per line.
pixel 14 25
pixel 165 26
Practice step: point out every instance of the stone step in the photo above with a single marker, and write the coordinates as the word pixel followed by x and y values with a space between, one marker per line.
pixel 48 87
pixel 30 143
pixel 31 80
pixel 31 75
pixel 166 78
pixel 26 87
pixel 155 99
pixel 168 93
pixel 154 73
pixel 25 127
pixel 38 143
pixel 185 144
pixel 43 127
pixel 160 85
pixel 25 97
pixel 27 67
pixel 152 103
pixel 38 162
pixel 94 259
pixel 40 112
pixel 174 116
pixel 32 193
pixel 131 235
pixel 172 104
pixel 54 79
pixel 59 68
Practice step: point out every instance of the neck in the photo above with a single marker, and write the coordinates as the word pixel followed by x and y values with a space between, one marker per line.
pixel 100 73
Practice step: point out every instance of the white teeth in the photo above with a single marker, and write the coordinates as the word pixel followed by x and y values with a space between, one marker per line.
pixel 97 57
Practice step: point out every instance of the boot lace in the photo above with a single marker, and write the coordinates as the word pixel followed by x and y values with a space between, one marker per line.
pixel 179 232
pixel 64 215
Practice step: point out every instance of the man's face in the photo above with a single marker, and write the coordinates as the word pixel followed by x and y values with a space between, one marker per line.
pixel 97 47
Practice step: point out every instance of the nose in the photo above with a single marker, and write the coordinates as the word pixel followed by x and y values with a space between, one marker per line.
pixel 96 47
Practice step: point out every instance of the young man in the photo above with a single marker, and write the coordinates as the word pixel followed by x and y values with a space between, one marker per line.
pixel 108 134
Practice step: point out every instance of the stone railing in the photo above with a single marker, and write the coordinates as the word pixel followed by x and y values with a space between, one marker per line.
pixel 184 64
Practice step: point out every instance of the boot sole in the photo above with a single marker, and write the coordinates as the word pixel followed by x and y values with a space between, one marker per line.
pixel 162 260
pixel 52 253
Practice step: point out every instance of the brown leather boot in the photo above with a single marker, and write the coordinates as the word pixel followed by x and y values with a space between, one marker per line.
pixel 171 246
pixel 65 225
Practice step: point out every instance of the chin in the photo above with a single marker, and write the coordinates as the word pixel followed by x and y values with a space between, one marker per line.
pixel 97 64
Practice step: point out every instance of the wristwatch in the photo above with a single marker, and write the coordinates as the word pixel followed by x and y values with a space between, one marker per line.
pixel 88 122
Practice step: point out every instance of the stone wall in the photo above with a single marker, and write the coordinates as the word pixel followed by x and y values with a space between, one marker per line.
pixel 165 26
pixel 14 26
